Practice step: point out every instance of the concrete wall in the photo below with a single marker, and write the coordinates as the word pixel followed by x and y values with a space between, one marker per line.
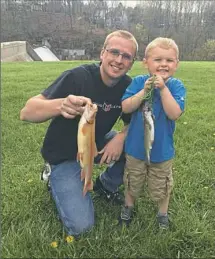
pixel 18 51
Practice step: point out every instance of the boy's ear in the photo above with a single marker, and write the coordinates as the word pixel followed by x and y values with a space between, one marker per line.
pixel 177 65
pixel 145 63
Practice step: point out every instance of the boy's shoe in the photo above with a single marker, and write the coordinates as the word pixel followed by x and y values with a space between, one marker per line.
pixel 114 197
pixel 163 221
pixel 126 215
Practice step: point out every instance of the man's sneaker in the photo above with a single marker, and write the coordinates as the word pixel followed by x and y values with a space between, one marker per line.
pixel 45 174
pixel 114 197
pixel 163 221
pixel 126 215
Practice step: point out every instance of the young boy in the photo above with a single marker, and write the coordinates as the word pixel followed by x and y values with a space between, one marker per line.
pixel 161 60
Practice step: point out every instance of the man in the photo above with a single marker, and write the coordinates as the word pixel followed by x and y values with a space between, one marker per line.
pixel 63 102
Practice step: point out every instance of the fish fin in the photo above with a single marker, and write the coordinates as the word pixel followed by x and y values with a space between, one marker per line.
pixel 95 150
pixel 82 174
pixel 147 161
pixel 84 129
pixel 78 157
pixel 88 187
pixel 91 185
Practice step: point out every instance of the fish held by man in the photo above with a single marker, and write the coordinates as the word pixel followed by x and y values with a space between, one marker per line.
pixel 148 121
pixel 86 145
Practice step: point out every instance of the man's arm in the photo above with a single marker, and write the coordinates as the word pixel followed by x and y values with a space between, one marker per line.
pixel 123 133
pixel 40 109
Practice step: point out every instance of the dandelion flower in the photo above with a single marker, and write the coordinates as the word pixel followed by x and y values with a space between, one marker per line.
pixel 212 148
pixel 115 222
pixel 54 244
pixel 69 239
pixel 185 123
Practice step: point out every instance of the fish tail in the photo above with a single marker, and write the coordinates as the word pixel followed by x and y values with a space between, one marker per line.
pixel 87 187
pixel 84 191
pixel 82 174
pixel 147 159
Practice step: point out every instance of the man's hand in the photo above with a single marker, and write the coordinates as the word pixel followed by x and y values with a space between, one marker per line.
pixel 113 149
pixel 73 105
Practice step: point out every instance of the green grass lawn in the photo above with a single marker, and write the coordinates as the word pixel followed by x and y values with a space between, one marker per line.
pixel 29 222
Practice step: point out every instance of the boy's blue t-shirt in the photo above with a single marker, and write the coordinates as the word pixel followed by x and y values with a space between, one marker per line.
pixel 163 146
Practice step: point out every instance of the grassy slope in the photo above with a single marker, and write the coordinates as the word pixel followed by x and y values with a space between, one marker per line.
pixel 29 221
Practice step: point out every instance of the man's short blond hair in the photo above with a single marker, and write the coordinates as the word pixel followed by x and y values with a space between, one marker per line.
pixel 123 34
pixel 165 43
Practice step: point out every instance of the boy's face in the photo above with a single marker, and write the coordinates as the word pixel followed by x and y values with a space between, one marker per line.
pixel 162 62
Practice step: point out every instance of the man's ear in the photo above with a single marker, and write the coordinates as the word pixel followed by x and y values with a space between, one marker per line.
pixel 101 53
pixel 132 63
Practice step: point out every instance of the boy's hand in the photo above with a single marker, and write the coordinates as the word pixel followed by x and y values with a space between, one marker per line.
pixel 148 83
pixel 159 82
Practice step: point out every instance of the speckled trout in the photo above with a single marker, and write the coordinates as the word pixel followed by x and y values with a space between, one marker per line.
pixel 149 130
pixel 148 122
pixel 86 145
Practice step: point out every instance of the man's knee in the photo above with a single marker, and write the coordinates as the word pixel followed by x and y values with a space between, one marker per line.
pixel 78 226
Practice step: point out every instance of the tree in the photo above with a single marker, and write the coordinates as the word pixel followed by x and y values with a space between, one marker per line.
pixel 206 52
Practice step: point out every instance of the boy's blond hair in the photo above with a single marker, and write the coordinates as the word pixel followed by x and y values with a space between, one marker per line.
pixel 123 34
pixel 165 43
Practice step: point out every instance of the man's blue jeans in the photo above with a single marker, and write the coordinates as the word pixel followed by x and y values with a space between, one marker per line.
pixel 75 210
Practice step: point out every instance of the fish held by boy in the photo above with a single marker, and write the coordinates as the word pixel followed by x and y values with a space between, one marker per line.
pixel 148 120
pixel 86 145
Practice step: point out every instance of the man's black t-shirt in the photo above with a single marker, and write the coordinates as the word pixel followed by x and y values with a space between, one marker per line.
pixel 60 142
